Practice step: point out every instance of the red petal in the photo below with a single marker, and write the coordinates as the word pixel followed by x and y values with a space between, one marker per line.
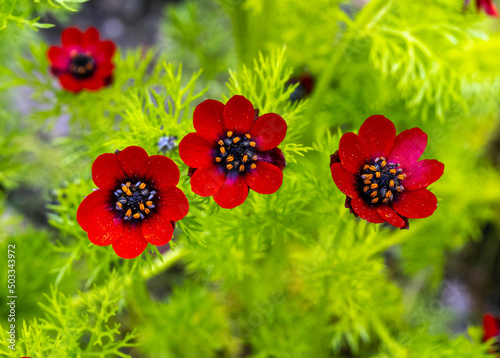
pixel 59 58
pixel 208 119
pixel 70 83
pixel 238 114
pixel 377 134
pixel 233 192
pixel 106 172
pixel 93 83
pixel 208 180
pixel 71 36
pixel 135 162
pixel 367 212
pixel 91 206
pixel 106 228
pixel 274 156
pixel 132 243
pixel 408 147
pixel 172 203
pixel 90 37
pixel 162 171
pixel 104 69
pixel 268 131
pixel 488 6
pixel 196 151
pixel 104 51
pixel 416 204
pixel 490 326
pixel 390 216
pixel 352 153
pixel 422 174
pixel 157 230
pixel 345 182
pixel 265 178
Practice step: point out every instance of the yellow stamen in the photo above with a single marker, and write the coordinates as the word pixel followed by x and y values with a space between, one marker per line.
pixel 218 159
pixel 374 200
pixel 366 167
pixel 119 204
pixel 221 142
pixel 245 158
pixel 392 171
pixel 367 181
pixel 374 186
pixel 147 211
pixel 386 200
pixel 374 194
pixel 401 176
pixel 388 194
pixel 253 166
pixel 229 166
pixel 236 139
pixel 137 215
pixel 367 176
pixel 124 188
pixel 128 184
pixel 248 136
pixel 222 150
pixel 129 212
pixel 149 203
pixel 377 174
pixel 229 134
pixel 81 70
pixel 391 183
pixel 254 157
pixel 253 144
pixel 383 164
pixel 242 167
pixel 365 189
pixel 399 189
pixel 89 66
pixel 142 186
pixel 230 158
pixel 141 206
pixel 373 168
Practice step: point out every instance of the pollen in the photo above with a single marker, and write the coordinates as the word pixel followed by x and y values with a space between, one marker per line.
pixel 245 158
pixel 221 142
pixel 366 181
pixel 142 186
pixel 229 134
pixel 248 136
pixel 401 176
pixel 383 164
pixel 147 211
pixel 242 167
pixel 374 200
pixel 229 166
pixel 374 194
pixel 149 203
pixel 377 174
pixel 391 183
pixel 230 158
pixel 222 150
pixel 392 171
pixel 218 159
pixel 374 186
pixel 129 212
pixel 236 140
pixel 253 144
pixel 137 215
pixel 141 206
pixel 253 166
pixel 373 168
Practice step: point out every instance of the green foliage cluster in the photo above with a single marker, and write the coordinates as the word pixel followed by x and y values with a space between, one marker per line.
pixel 292 274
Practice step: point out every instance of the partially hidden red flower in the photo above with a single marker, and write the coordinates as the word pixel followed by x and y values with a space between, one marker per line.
pixel 83 61
pixel 137 201
pixel 381 176
pixel 491 327
pixel 233 150
pixel 488 6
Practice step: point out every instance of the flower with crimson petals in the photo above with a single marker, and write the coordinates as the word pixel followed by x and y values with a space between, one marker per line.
pixel 233 150
pixel 488 6
pixel 381 176
pixel 83 61
pixel 137 201
pixel 491 327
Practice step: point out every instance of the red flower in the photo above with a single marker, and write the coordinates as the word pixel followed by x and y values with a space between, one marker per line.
pixel 380 175
pixel 83 61
pixel 233 150
pixel 488 6
pixel 137 201
pixel 491 326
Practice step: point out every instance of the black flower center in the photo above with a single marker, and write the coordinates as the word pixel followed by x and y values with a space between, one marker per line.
pixel 82 64
pixel 134 201
pixel 236 152
pixel 379 181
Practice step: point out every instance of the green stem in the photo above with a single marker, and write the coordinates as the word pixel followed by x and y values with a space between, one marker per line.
pixel 374 10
